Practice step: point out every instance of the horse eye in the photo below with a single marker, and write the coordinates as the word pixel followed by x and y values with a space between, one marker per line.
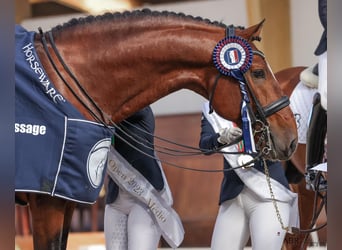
pixel 258 73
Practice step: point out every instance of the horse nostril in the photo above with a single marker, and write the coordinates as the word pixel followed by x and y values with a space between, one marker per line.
pixel 293 145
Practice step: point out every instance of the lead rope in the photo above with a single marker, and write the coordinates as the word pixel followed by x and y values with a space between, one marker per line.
pixel 268 179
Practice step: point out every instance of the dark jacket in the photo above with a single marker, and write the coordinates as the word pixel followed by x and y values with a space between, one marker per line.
pixel 141 121
pixel 322 11
pixel 231 184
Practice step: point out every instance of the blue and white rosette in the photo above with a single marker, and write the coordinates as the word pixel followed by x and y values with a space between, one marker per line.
pixel 233 56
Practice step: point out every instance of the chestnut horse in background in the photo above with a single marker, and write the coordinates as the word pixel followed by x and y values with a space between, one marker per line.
pixel 295 170
pixel 115 64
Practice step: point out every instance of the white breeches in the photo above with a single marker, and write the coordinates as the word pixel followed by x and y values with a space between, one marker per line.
pixel 129 226
pixel 322 79
pixel 247 216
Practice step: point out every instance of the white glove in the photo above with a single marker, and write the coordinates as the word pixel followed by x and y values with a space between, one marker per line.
pixel 228 135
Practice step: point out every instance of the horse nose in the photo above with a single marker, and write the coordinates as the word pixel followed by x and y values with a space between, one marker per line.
pixel 288 152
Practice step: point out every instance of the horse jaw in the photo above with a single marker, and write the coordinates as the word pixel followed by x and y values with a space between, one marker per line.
pixel 283 141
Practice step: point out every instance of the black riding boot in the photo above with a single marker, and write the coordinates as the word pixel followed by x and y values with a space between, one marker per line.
pixel 316 134
pixel 315 140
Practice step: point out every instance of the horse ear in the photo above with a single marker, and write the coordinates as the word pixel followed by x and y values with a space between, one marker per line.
pixel 256 30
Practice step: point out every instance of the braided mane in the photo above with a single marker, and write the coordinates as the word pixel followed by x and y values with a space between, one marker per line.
pixel 117 16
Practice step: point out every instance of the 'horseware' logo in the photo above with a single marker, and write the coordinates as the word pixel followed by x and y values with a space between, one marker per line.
pixel 96 162
pixel 39 71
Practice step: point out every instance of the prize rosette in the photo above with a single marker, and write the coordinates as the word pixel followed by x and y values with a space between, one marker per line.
pixel 232 54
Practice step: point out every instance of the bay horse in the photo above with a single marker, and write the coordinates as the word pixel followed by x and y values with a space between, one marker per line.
pixel 112 65
pixel 295 168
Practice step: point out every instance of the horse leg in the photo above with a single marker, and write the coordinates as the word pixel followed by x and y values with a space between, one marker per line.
pixel 306 205
pixel 51 218
pixel 305 201
pixel 68 212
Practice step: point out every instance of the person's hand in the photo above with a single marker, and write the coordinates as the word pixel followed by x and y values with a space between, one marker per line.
pixel 229 135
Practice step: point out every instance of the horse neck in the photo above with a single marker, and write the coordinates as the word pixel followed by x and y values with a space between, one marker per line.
pixel 128 66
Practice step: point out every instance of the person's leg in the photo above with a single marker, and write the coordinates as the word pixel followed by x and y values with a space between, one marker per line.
pixel 265 229
pixel 231 227
pixel 115 221
pixel 143 233
pixel 115 229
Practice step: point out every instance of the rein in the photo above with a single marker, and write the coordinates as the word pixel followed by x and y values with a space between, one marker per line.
pixel 103 118
pixel 52 42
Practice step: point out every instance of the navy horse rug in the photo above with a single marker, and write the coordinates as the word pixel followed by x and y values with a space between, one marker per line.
pixel 58 152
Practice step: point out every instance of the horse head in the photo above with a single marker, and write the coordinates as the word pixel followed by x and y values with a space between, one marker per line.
pixel 271 118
